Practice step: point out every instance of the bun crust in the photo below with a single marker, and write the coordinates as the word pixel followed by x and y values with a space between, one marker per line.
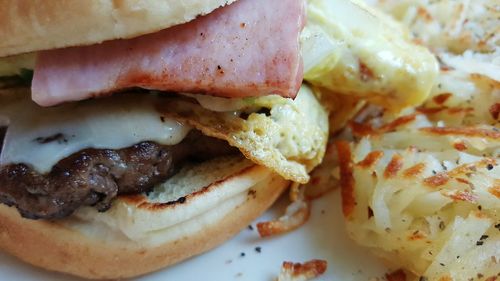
pixel 64 248
pixel 33 25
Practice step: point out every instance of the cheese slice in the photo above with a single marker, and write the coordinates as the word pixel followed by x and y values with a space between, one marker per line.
pixel 40 137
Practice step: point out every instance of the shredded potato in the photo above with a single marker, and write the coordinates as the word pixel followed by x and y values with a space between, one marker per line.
pixel 460 98
pixel 425 198
pixel 424 195
pixel 323 177
pixel 296 214
pixel 302 271
pixel 421 187
pixel 464 33
pixel 452 25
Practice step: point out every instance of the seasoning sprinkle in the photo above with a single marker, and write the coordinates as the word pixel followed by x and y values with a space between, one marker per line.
pixel 242 254
pixel 479 243
pixel 489 167
pixel 444 166
pixel 258 249
pixel 483 237
pixel 441 225
pixel 59 138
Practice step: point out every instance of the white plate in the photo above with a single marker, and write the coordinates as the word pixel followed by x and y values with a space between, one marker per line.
pixel 323 237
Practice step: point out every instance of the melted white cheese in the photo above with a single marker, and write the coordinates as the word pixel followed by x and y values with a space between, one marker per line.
pixel 219 104
pixel 112 123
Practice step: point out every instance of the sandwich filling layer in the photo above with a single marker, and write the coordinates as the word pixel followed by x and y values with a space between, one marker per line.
pixel 94 177
pixel 41 137
pixel 56 160
pixel 248 48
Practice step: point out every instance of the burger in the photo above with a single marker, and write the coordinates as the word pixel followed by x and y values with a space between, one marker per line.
pixel 136 134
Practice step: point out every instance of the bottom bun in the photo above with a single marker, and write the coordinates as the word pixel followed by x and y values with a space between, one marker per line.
pixel 108 245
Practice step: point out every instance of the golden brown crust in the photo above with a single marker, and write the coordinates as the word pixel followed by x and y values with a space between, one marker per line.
pixel 33 25
pixel 55 247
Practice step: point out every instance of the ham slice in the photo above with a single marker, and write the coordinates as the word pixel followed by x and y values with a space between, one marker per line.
pixel 248 48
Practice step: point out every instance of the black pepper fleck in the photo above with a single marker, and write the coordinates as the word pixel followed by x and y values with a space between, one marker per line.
pixel 444 167
pixel 479 243
pixel 59 138
pixel 483 237
pixel 441 225
pixel 250 227
pixel 258 249
pixel 489 167
pixel 252 193
pixel 219 68
pixel 242 254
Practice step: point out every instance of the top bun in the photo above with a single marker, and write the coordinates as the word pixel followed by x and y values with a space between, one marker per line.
pixel 34 25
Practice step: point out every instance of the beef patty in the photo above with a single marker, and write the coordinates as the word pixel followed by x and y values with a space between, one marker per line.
pixel 93 177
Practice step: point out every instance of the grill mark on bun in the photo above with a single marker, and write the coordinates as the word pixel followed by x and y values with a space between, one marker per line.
pixel 146 205
pixel 3 131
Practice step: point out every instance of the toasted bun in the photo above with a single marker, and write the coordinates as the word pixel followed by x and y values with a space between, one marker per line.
pixel 92 245
pixel 33 25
